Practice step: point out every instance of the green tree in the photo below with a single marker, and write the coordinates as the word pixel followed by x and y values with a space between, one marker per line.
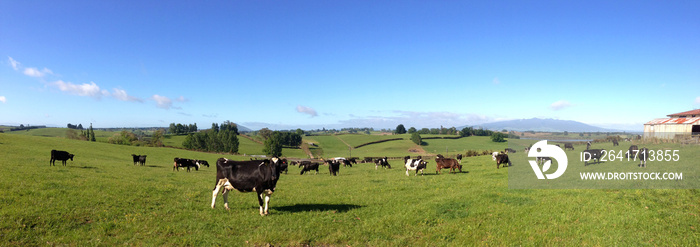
pixel 498 137
pixel 265 133
pixel 416 138
pixel 92 133
pixel 400 129
pixel 273 145
pixel 412 130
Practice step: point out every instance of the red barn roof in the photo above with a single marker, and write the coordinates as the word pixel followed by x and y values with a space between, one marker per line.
pixel 687 113
pixel 674 121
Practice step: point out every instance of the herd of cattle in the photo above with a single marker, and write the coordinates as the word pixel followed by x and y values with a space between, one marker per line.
pixel 261 176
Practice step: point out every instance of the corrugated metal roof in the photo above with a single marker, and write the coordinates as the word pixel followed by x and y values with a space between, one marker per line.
pixel 674 121
pixel 693 112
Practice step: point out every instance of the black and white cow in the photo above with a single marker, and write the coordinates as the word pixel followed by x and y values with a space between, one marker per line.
pixel 416 165
pixel 383 162
pixel 259 176
pixel 343 161
pixel 188 163
pixel 140 159
pixel 459 158
pixel 308 166
pixel 588 145
pixel 643 157
pixel 63 156
pixel 203 163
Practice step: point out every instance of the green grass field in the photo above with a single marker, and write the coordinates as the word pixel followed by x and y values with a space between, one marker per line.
pixel 100 198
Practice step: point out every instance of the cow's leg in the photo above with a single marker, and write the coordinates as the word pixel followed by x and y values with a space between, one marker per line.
pixel 407 172
pixel 214 193
pixel 260 201
pixel 268 194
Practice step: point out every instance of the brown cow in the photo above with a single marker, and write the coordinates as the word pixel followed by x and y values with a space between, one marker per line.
pixel 502 158
pixel 447 163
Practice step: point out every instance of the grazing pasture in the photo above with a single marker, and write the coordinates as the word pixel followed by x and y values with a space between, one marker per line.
pixel 102 199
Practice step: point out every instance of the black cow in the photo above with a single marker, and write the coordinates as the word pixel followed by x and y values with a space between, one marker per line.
pixel 353 161
pixel 140 159
pixel 632 151
pixel 382 162
pixel 63 156
pixel 502 158
pixel 333 167
pixel 592 154
pixel 568 145
pixel 188 163
pixel 308 166
pixel 615 143
pixel 510 150
pixel 367 160
pixel 258 176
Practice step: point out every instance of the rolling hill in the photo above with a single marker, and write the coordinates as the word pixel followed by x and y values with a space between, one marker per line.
pixel 544 125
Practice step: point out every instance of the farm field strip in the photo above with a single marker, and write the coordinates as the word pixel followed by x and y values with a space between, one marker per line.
pixel 101 198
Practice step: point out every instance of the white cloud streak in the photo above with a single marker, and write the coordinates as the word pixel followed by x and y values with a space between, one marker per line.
pixel 34 72
pixel 697 100
pixel 3 99
pixel 85 89
pixel 162 101
pixel 15 65
pixel 123 96
pixel 307 110
pixel 560 105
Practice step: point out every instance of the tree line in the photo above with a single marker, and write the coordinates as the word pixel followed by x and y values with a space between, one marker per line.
pixel 220 138
pixel 181 129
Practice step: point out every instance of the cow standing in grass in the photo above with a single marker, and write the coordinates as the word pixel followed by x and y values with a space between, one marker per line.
pixel 308 166
pixel 63 156
pixel 381 162
pixel 416 165
pixel 568 145
pixel 502 159
pixel 259 176
pixel 140 159
pixel 442 162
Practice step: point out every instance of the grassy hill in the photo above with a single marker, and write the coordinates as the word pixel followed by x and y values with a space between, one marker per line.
pixel 100 198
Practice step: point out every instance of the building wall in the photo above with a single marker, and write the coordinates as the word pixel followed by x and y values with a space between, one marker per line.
pixel 666 131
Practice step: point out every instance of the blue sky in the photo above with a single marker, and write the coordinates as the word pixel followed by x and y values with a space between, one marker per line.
pixel 333 64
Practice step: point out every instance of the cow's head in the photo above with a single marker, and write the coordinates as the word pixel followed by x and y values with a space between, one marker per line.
pixel 71 157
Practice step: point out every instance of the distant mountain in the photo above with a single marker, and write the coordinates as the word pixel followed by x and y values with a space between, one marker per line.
pixel 242 128
pixel 544 125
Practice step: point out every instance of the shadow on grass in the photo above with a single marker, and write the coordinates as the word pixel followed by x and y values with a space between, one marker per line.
pixel 341 208
pixel 83 167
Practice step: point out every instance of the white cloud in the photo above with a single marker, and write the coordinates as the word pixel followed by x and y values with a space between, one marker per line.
pixel 15 65
pixel 697 100
pixel 162 101
pixel 3 99
pixel 123 96
pixel 307 110
pixel 85 89
pixel 559 105
pixel 181 99
pixel 34 72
